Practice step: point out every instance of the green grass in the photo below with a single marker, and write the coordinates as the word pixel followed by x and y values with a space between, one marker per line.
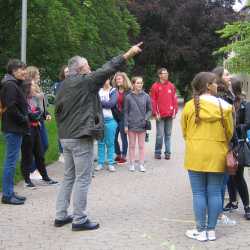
pixel 51 154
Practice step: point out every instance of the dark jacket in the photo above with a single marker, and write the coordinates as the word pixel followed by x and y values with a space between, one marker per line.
pixel 119 115
pixel 15 118
pixel 78 110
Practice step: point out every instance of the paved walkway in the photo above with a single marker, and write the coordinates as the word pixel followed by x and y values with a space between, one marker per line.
pixel 137 211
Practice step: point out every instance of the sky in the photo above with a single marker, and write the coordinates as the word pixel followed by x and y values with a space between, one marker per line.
pixel 238 6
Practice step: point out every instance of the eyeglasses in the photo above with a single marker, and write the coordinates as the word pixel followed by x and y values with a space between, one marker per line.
pixel 164 73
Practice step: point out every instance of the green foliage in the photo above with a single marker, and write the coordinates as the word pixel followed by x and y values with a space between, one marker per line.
pixel 239 35
pixel 60 29
pixel 180 35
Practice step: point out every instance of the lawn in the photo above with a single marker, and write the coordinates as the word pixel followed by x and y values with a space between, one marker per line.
pixel 51 154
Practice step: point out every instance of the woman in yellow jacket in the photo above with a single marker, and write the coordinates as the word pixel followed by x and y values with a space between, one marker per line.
pixel 206 148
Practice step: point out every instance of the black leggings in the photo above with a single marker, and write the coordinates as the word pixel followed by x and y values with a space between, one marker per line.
pixel 32 147
pixel 238 183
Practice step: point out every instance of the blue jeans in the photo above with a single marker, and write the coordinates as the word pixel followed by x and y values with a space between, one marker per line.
pixel 120 129
pixel 223 188
pixel 110 126
pixel 163 130
pixel 206 189
pixel 13 146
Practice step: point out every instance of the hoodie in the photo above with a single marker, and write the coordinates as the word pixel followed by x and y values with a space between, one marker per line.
pixel 206 144
pixel 135 117
pixel 15 118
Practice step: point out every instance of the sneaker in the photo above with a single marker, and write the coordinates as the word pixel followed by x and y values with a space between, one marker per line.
pixel 211 235
pixel 122 161
pixel 61 158
pixel 131 168
pixel 29 185
pixel 99 167
pixel 142 168
pixel 111 168
pixel 225 220
pixel 247 212
pixel 157 157
pixel 50 182
pixel 231 206
pixel 35 175
pixel 194 234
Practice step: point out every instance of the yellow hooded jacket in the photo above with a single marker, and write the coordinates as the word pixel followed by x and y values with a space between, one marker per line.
pixel 206 144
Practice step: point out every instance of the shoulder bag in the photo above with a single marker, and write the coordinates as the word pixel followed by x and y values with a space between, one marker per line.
pixel 231 156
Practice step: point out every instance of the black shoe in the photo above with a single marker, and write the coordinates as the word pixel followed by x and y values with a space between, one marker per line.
pixel 12 201
pixel 167 157
pixel 247 213
pixel 50 181
pixel 60 223
pixel 29 185
pixel 231 206
pixel 19 197
pixel 157 157
pixel 88 225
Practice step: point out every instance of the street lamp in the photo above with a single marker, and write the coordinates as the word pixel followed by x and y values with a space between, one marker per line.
pixel 24 31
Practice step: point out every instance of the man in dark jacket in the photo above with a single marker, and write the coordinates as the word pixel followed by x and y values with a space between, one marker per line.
pixel 79 119
pixel 14 125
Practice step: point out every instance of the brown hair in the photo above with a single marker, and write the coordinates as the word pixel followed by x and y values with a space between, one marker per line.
pixel 61 75
pixel 136 78
pixel 218 71
pixel 199 85
pixel 159 71
pixel 32 72
pixel 126 81
pixel 236 84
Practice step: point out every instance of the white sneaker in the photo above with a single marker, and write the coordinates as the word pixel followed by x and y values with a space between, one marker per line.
pixel 142 168
pixel 194 234
pixel 225 220
pixel 61 158
pixel 35 175
pixel 131 168
pixel 211 235
pixel 99 167
pixel 112 168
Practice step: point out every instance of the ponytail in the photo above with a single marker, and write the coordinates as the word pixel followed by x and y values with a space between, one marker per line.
pixel 197 108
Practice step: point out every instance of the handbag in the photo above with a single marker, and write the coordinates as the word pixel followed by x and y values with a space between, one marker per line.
pixel 231 156
pixel 148 122
pixel 244 153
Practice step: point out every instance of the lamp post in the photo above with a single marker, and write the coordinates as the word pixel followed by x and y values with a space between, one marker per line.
pixel 24 31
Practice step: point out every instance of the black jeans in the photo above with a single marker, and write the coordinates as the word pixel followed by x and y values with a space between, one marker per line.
pixel 32 147
pixel 238 183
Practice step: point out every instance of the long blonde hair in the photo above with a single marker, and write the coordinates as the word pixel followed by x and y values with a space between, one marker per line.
pixel 32 73
pixel 126 82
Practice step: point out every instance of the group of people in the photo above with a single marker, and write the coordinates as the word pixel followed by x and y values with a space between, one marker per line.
pixel 23 114
pixel 127 110
pixel 103 104
pixel 216 119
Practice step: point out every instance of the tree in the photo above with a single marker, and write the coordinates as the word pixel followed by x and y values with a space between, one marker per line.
pixel 179 35
pixel 239 47
pixel 60 29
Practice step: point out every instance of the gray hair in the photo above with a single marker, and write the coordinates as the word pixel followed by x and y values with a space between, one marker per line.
pixel 75 63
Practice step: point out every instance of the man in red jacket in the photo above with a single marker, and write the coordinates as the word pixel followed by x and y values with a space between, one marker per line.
pixel 165 107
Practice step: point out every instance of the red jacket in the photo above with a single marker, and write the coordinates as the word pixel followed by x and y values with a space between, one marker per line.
pixel 164 100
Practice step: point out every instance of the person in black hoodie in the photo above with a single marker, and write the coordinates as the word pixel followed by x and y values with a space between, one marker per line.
pixel 238 182
pixel 14 125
